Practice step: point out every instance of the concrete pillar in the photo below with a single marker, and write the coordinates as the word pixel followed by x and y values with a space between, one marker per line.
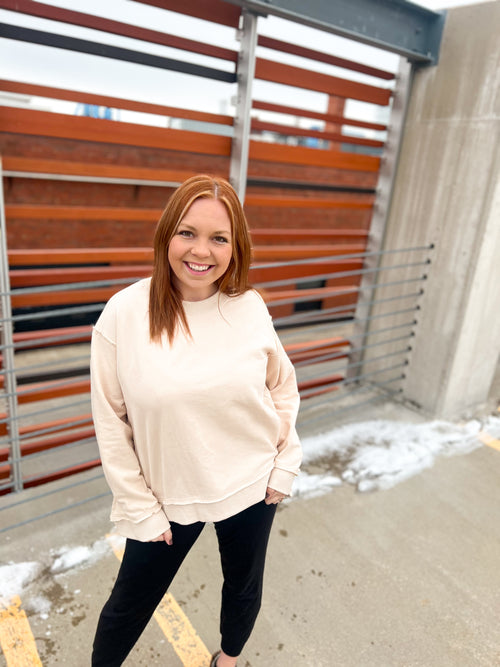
pixel 447 192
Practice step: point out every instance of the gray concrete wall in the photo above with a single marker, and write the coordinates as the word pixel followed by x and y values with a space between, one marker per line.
pixel 447 192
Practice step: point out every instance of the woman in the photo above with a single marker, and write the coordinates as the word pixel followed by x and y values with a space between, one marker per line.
pixel 194 403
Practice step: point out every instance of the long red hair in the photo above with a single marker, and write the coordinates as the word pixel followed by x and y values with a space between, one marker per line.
pixel 165 301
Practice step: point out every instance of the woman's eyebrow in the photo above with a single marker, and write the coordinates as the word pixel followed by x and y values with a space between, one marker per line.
pixel 193 229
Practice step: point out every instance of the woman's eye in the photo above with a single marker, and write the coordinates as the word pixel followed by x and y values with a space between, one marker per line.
pixel 185 233
pixel 221 239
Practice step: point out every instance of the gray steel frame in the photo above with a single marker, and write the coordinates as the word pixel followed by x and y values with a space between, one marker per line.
pixel 6 337
pixel 394 25
pixel 382 204
pixel 245 75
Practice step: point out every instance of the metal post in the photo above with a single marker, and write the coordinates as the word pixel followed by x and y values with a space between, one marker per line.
pixel 381 209
pixel 246 71
pixel 6 333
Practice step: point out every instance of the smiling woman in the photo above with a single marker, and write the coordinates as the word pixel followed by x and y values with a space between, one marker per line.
pixel 194 402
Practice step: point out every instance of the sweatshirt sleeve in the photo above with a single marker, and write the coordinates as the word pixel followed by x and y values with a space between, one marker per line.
pixel 136 511
pixel 282 385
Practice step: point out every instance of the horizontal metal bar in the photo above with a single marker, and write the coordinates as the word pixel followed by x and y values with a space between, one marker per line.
pixel 51 492
pixel 55 385
pixel 319 297
pixel 22 344
pixel 340 258
pixel 342 395
pixel 304 185
pixel 341 410
pixel 332 356
pixel 307 392
pixel 91 179
pixel 53 512
pixel 114 52
pixel 55 429
pixel 69 287
pixel 40 315
pixel 53 450
pixel 27 415
pixel 338 274
pixel 20 370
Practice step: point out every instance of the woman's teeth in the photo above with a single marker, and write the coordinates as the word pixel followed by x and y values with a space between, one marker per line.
pixel 198 267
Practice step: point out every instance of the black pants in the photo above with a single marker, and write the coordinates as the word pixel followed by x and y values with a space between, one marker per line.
pixel 148 568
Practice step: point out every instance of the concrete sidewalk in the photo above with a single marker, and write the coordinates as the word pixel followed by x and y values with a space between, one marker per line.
pixel 406 577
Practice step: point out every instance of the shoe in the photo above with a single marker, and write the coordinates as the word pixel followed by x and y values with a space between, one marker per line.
pixel 213 662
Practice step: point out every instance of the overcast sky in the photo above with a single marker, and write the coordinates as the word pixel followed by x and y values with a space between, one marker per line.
pixel 64 69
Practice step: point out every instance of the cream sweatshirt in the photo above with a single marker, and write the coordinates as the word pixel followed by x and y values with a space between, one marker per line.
pixel 196 430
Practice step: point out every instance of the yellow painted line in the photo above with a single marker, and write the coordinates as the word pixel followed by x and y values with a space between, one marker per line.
pixel 16 638
pixel 175 625
pixel 489 440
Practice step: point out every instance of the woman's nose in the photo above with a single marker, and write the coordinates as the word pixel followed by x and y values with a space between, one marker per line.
pixel 200 248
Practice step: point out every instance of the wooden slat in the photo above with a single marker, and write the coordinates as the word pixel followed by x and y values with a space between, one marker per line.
pixel 48 211
pixel 321 56
pixel 117 28
pixel 261 150
pixel 269 70
pixel 112 102
pixel 31 428
pixel 48 124
pixel 293 131
pixel 307 113
pixel 51 212
pixel 260 236
pixel 44 392
pixel 284 253
pixel 68 168
pixel 78 334
pixel 215 11
pixel 284 201
pixel 67 256
pixel 32 277
pixel 30 482
pixel 64 298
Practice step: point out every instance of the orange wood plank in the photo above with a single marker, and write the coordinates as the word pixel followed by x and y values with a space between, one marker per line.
pixel 47 211
pixel 319 382
pixel 284 201
pixel 117 28
pixel 293 131
pixel 60 474
pixel 65 167
pixel 31 428
pixel 44 392
pixel 269 70
pixel 261 150
pixel 260 275
pixel 37 257
pixel 32 277
pixel 261 236
pixel 45 123
pixel 97 295
pixel 215 10
pixel 307 113
pixel 107 101
pixel 81 334
pixel 321 56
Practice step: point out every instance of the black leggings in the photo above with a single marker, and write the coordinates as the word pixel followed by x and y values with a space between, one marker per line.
pixel 148 568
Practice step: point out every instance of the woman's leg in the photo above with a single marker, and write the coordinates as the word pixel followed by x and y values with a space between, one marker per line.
pixel 145 574
pixel 243 542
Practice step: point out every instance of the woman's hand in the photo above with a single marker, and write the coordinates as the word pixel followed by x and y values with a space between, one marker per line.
pixel 273 497
pixel 164 537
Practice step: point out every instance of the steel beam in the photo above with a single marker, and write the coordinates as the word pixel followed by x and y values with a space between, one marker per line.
pixel 394 25
pixel 245 75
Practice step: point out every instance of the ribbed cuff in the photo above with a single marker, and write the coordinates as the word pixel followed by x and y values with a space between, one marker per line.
pixel 281 480
pixel 145 530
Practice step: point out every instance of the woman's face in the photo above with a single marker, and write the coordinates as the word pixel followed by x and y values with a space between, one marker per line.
pixel 201 249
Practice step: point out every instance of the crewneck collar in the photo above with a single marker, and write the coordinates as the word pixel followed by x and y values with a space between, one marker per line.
pixel 191 307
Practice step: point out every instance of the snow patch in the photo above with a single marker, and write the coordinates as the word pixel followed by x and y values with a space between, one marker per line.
pixel 376 455
pixel 15 577
pixel 67 558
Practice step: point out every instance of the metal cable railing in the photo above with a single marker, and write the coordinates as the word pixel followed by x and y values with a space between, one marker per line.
pixel 326 385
